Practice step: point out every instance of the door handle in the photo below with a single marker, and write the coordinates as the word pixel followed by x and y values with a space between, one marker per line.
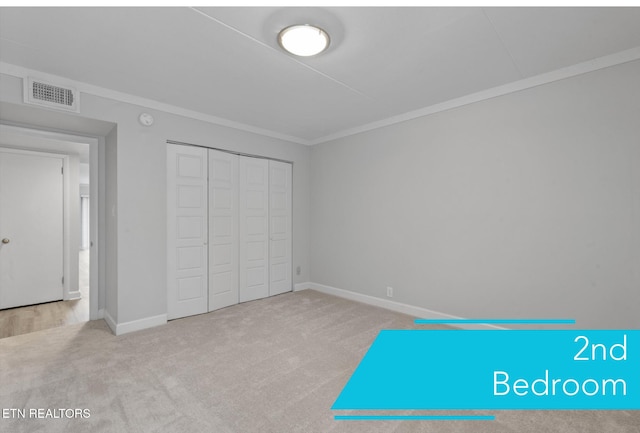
pixel 6 240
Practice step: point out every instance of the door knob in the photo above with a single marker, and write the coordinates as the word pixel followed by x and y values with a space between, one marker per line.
pixel 6 241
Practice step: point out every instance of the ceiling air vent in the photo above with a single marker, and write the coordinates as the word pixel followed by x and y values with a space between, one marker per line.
pixel 40 92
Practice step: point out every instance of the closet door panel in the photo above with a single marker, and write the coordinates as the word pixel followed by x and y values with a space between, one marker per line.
pixel 223 230
pixel 280 227
pixel 254 228
pixel 186 231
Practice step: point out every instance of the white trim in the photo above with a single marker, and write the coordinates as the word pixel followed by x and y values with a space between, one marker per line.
pixel 619 58
pixel 21 72
pixel 410 310
pixel 75 295
pixel 43 133
pixel 68 278
pixel 110 322
pixel 302 286
pixel 134 325
pixel 96 234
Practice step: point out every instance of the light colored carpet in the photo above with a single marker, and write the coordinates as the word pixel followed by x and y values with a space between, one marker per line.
pixel 274 365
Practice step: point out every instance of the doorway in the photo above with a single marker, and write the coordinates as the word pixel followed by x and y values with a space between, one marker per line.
pixel 78 300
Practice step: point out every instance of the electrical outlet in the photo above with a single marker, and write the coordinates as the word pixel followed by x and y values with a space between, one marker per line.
pixel 389 292
pixel 298 270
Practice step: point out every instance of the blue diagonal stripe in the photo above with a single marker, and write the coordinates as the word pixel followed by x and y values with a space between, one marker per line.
pixel 414 418
pixel 495 321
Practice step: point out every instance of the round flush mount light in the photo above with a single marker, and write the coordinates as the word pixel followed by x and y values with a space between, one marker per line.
pixel 303 40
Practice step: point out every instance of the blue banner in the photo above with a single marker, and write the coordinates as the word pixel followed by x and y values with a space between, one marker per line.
pixel 501 369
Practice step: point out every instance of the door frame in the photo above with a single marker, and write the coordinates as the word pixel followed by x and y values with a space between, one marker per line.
pixel 96 204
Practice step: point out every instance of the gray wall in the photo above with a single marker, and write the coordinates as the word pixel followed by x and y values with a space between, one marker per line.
pixel 136 189
pixel 526 205
pixel 141 197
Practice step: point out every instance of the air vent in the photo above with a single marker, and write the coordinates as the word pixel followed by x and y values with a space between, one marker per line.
pixel 40 92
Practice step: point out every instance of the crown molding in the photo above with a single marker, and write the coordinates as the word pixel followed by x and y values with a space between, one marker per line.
pixel 513 87
pixel 619 58
pixel 22 72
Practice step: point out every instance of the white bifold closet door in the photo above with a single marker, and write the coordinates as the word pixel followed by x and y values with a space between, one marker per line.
pixel 187 250
pixel 229 229
pixel 254 228
pixel 265 228
pixel 223 229
pixel 279 227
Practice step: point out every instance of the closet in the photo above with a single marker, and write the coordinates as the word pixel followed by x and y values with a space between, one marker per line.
pixel 228 229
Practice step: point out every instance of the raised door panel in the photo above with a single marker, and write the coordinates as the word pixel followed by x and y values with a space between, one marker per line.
pixel 254 228
pixel 187 252
pixel 223 230
pixel 280 227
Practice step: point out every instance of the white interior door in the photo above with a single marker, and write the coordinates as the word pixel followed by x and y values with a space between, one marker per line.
pixel 254 228
pixel 279 227
pixel 31 228
pixel 223 229
pixel 187 250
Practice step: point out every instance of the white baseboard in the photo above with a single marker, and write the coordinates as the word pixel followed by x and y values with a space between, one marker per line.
pixel 302 286
pixel 410 310
pixel 110 322
pixel 134 325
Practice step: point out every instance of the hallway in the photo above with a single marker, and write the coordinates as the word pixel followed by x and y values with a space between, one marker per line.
pixel 23 320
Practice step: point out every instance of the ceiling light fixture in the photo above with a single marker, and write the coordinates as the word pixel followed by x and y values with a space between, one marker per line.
pixel 303 40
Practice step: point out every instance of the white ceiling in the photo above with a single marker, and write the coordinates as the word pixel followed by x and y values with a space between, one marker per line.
pixel 382 62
